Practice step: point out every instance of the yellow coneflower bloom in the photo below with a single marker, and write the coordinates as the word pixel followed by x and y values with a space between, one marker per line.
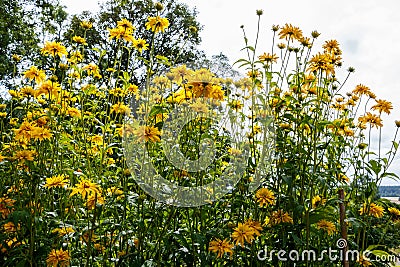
pixel 374 210
pixel 361 90
pixel 120 108
pixel 332 47
pixel 56 181
pixel 79 40
pixel 220 247
pixel 23 155
pixel 382 106
pixel 265 197
pixel 317 201
pixel 54 49
pixel 41 134
pixel 255 226
pixel 280 216
pixel 268 58
pixel 321 62
pixel 242 233
pixel 86 25
pixel 327 226
pixel 290 32
pixel 394 211
pixel 147 133
pixel 63 231
pixel 363 262
pixel 126 24
pixel 84 188
pixel 49 87
pixel 94 199
pixel 140 45
pixel 35 74
pixel 58 257
pixel 372 119
pixel 157 24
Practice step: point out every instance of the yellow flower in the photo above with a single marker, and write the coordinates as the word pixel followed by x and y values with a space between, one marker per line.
pixel 96 139
pixel 268 58
pixel 123 33
pixel 343 178
pixel 114 191
pixel 363 262
pixel 372 119
pixel 75 57
pixel 6 206
pixel 54 49
pixel 10 227
pixel 147 133
pixel 35 73
pixel 327 226
pixel 49 87
pixel 40 133
pixel 140 45
pixel 28 91
pixel 321 62
pixel 234 151
pixel 280 216
pixel 91 68
pixel 79 40
pixel 220 247
pixel 23 155
pixel 120 108
pixel 86 25
pixel 125 24
pixel 394 211
pixel 133 89
pixel 255 226
pixel 94 199
pixel 63 231
pixel 85 187
pixel 73 112
pixel 290 32
pixel 332 47
pixel 56 181
pixel 361 90
pixel 253 74
pixel 373 210
pixel 382 106
pixel 157 24
pixel 3 114
pixel 2 158
pixel 317 201
pixel 265 197
pixel 58 257
pixel 242 233
pixel 236 104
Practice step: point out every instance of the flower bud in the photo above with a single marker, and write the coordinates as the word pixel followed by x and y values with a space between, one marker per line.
pixel 159 6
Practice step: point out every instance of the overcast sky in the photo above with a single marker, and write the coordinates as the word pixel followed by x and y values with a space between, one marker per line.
pixel 367 30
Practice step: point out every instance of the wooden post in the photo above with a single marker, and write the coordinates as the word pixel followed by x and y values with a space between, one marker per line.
pixel 343 227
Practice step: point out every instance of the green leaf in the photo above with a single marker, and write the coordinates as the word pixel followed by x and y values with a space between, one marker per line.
pixel 157 110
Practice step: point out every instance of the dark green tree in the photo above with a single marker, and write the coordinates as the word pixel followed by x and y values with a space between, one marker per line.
pixel 178 43
pixel 24 24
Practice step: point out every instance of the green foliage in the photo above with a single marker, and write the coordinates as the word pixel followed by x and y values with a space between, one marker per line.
pixel 23 25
